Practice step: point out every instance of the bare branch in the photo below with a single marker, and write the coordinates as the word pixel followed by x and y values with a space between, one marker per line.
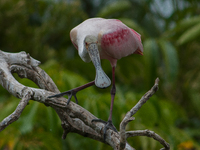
pixel 74 118
pixel 143 100
pixel 20 58
pixel 128 117
pixel 70 115
pixel 149 134
pixel 16 114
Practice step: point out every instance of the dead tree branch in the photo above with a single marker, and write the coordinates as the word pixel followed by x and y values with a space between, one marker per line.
pixel 16 114
pixel 149 133
pixel 128 117
pixel 74 118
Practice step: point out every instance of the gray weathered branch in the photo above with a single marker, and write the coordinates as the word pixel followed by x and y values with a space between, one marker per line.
pixel 149 133
pixel 74 118
pixel 16 114
pixel 128 117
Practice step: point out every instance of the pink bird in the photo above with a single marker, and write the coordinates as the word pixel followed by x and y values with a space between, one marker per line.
pixel 99 38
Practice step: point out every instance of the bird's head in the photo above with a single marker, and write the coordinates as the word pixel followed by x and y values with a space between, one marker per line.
pixel 90 39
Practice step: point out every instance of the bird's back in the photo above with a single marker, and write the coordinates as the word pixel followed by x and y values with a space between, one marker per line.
pixel 115 39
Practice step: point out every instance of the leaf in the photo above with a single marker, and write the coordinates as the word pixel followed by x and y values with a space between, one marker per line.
pixel 8 108
pixel 148 115
pixel 170 59
pixel 27 121
pixel 189 35
pixel 114 7
pixel 186 23
pixel 195 102
pixel 51 118
pixel 151 59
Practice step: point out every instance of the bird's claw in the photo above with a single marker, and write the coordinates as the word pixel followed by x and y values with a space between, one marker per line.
pixel 108 125
pixel 69 93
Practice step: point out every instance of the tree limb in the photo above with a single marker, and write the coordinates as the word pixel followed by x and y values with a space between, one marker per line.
pixel 16 114
pixel 149 133
pixel 74 118
pixel 128 117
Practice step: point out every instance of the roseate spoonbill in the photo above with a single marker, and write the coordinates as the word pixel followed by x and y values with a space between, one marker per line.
pixel 99 38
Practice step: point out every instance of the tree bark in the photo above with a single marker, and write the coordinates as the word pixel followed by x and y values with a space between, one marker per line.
pixel 74 118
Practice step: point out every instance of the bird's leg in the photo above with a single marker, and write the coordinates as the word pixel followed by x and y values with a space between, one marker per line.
pixel 73 92
pixel 109 124
pixel 112 92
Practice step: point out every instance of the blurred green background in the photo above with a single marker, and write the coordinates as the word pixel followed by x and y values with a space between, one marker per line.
pixel 170 31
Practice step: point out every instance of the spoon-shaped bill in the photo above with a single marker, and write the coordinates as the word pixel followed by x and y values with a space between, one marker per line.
pixel 101 79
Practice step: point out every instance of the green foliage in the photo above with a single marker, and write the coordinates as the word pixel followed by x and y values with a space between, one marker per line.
pixel 190 34
pixel 114 7
pixel 43 25
pixel 151 59
pixel 185 24
pixel 171 52
pixel 157 114
pixel 170 60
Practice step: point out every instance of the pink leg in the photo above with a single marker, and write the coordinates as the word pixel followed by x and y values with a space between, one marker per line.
pixel 112 92
pixel 73 92
pixel 109 124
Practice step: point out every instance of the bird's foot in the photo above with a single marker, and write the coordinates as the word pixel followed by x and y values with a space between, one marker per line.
pixel 108 125
pixel 69 93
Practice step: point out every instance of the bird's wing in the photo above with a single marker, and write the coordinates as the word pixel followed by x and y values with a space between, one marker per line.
pixel 119 41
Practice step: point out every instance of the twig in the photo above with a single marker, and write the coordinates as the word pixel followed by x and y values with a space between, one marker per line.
pixel 151 134
pixel 16 114
pixel 128 117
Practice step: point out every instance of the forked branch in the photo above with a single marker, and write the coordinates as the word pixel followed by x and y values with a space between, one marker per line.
pixel 128 117
pixel 74 118
pixel 16 114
